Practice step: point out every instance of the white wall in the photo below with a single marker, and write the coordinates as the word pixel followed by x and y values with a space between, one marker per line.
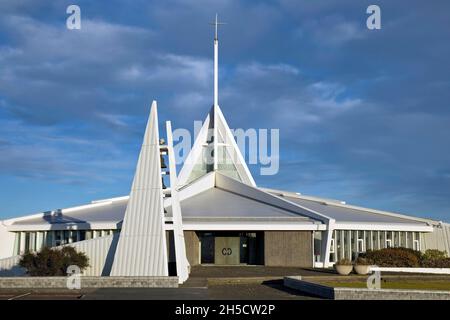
pixel 6 242
pixel 438 239
pixel 99 252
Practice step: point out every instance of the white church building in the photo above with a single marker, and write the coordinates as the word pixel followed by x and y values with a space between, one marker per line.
pixel 212 212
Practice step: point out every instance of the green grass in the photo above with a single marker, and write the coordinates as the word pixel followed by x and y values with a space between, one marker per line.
pixel 394 284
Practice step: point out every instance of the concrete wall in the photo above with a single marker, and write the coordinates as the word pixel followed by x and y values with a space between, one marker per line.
pixel 100 252
pixel 288 248
pixel 9 267
pixel 89 282
pixel 192 247
pixel 438 239
pixel 361 293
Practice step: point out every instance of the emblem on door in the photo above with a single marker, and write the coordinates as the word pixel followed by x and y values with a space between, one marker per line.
pixel 227 251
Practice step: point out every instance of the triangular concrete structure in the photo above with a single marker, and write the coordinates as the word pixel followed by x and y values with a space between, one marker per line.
pixel 142 247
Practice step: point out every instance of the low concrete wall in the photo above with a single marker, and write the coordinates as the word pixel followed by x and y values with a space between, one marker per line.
pixel 296 282
pixel 413 270
pixel 88 282
pixel 389 294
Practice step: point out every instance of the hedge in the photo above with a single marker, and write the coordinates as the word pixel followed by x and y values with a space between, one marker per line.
pixel 409 258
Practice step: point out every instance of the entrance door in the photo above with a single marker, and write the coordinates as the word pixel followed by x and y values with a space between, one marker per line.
pixel 227 250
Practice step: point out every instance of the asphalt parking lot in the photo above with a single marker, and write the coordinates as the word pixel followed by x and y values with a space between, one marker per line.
pixel 272 290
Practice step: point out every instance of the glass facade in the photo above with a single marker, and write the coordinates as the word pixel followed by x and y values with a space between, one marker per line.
pixel 348 243
pixel 35 240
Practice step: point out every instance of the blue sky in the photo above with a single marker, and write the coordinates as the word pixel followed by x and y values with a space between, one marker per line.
pixel 364 116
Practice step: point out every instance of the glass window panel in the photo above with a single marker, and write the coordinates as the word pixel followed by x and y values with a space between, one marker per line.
pixel 409 240
pixel 396 239
pixel 317 245
pixel 375 240
pixel 339 244
pixel 382 239
pixel 17 243
pixel 361 245
pixel 49 238
pixel 368 241
pixel 27 241
pixel 333 247
pixel 348 244
pixel 58 237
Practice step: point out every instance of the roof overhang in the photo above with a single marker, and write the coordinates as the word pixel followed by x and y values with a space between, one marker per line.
pixel 382 227
pixel 63 226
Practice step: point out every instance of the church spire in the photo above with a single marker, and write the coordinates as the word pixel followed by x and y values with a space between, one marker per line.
pixel 216 24
pixel 222 153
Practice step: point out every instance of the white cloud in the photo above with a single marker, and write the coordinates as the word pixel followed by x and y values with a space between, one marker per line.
pixel 255 69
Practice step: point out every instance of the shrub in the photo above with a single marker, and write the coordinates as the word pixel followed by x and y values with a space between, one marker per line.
pixel 53 261
pixel 361 261
pixel 433 254
pixel 343 262
pixel 394 257
pixel 436 263
pixel 433 258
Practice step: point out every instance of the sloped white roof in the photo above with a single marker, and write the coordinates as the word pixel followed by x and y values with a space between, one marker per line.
pixel 350 215
pixel 218 203
pixel 103 215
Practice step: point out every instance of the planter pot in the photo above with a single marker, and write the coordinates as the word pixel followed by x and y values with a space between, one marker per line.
pixel 344 269
pixel 362 269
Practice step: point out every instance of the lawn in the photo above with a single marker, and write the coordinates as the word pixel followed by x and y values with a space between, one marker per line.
pixel 395 284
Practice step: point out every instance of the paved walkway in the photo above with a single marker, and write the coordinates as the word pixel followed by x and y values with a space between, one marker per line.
pixel 254 271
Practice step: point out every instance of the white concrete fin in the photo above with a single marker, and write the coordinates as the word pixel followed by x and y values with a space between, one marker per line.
pixel 141 249
pixel 182 263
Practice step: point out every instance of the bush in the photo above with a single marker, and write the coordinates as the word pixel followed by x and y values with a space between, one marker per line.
pixel 433 254
pixel 343 262
pixel 361 261
pixel 435 259
pixel 53 261
pixel 436 263
pixel 394 257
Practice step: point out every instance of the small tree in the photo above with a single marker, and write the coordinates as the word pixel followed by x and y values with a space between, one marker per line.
pixel 53 261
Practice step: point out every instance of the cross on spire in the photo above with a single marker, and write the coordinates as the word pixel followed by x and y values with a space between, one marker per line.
pixel 216 25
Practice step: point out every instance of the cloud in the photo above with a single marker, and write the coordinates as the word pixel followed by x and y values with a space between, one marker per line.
pixel 363 115
pixel 331 31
